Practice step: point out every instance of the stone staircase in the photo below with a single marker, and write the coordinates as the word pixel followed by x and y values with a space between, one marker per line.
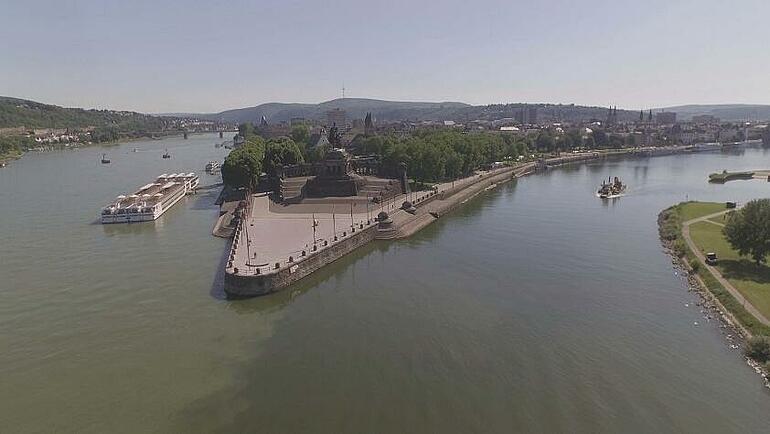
pixel 376 186
pixel 292 189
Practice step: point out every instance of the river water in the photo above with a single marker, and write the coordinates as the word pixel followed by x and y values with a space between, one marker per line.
pixel 536 307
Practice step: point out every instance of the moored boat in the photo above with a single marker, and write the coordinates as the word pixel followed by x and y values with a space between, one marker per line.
pixel 212 166
pixel 150 201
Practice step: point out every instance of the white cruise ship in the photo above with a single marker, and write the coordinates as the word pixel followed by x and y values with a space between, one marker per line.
pixel 150 201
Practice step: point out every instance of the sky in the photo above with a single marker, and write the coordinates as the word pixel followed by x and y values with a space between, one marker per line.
pixel 194 56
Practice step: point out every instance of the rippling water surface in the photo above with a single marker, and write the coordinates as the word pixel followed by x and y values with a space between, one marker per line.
pixel 536 307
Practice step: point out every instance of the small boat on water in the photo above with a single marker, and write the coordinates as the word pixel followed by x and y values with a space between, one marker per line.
pixel 105 160
pixel 166 155
pixel 212 167
pixel 611 188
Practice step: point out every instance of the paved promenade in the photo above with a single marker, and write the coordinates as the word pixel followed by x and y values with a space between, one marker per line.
pixel 273 232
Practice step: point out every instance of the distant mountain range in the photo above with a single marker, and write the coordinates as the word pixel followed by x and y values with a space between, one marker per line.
pixel 16 112
pixel 356 108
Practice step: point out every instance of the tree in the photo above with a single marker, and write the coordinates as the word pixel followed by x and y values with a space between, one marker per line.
pixel 600 139
pixel 576 138
pixel 243 166
pixel 545 141
pixel 300 134
pixel 758 348
pixel 245 129
pixel 748 230
pixel 616 141
pixel 281 151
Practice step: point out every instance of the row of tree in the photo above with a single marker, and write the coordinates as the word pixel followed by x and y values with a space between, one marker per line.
pixel 244 165
pixel 430 155
pixel 435 155
pixel 551 140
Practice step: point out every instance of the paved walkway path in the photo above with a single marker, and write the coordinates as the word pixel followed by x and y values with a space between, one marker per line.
pixel 714 223
pixel 714 272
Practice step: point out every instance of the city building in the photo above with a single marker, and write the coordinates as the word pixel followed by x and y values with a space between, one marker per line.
pixel 336 117
pixel 528 115
pixel 665 118
pixel 705 119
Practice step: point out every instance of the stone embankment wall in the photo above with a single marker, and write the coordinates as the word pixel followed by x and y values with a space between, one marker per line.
pixel 247 284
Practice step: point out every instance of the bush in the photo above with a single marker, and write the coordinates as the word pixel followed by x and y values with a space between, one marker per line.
pixel 758 348
pixel 695 264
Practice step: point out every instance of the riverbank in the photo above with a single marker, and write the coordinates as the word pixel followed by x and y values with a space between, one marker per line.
pixel 8 157
pixel 736 322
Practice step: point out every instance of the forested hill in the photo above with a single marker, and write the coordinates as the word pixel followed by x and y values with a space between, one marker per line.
pixel 356 108
pixel 16 112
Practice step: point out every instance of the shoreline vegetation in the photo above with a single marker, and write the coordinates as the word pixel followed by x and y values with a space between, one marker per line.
pixel 737 323
pixel 10 153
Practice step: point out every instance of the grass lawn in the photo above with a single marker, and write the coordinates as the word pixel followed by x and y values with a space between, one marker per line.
pixel 691 210
pixel 752 281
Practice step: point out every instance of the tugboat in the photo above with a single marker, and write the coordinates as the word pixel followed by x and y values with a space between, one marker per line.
pixel 105 160
pixel 166 155
pixel 612 188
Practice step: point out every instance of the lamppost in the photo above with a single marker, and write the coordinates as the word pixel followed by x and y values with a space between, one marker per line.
pixel 334 224
pixel 248 244
pixel 315 224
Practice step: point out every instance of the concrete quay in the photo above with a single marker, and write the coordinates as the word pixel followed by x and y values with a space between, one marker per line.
pixel 277 245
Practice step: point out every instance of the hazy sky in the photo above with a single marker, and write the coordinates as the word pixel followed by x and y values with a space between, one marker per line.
pixel 169 56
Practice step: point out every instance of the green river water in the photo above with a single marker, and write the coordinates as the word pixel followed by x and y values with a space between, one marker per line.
pixel 534 308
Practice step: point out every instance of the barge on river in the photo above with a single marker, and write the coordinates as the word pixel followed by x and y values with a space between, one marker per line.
pixel 150 201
